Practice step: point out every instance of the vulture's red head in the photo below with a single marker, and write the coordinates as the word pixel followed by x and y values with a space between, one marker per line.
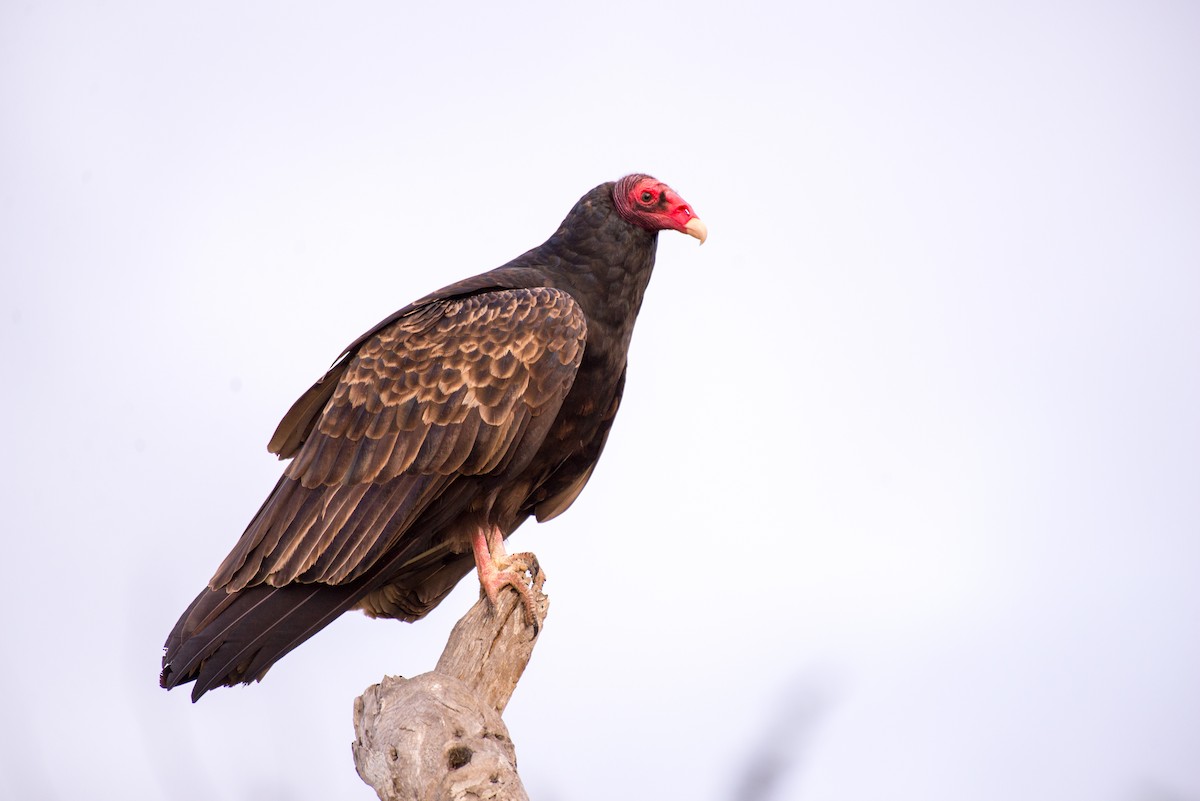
pixel 649 203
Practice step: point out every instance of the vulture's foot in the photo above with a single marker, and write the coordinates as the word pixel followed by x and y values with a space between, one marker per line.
pixel 498 568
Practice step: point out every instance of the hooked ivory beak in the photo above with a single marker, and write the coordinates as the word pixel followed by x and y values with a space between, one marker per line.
pixel 697 229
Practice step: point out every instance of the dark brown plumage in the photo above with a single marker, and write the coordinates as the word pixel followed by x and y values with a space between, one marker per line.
pixel 433 437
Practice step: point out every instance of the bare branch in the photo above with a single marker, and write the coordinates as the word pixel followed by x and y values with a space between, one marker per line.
pixel 439 736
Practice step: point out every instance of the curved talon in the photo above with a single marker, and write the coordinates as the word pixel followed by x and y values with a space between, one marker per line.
pixel 497 568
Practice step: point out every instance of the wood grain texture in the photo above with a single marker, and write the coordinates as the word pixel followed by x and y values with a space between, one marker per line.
pixel 489 649
pixel 439 736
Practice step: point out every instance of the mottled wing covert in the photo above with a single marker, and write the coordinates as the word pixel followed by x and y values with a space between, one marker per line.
pixel 448 389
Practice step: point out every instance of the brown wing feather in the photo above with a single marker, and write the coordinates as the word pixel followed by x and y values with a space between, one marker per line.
pixel 296 424
pixel 446 391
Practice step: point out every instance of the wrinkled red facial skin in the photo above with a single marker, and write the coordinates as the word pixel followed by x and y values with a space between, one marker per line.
pixel 651 204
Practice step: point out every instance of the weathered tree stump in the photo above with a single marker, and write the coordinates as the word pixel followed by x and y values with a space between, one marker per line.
pixel 439 736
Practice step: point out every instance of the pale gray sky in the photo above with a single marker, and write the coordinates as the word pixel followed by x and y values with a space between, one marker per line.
pixel 914 436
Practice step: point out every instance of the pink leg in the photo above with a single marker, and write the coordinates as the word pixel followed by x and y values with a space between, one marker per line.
pixel 496 569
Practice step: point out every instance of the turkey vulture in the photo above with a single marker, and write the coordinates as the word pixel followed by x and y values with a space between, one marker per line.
pixel 432 438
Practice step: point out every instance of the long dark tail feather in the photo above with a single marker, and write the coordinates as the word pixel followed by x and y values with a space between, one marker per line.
pixel 226 638
pixel 230 638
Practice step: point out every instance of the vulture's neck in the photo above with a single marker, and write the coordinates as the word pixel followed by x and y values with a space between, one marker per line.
pixel 605 263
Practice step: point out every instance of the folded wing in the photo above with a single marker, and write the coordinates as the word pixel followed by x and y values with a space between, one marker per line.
pixel 446 391
pixel 389 447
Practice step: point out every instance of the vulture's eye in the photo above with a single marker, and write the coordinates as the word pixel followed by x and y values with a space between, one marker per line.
pixel 647 197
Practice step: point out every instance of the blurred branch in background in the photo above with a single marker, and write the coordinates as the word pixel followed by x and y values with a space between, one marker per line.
pixel 785 740
pixel 439 736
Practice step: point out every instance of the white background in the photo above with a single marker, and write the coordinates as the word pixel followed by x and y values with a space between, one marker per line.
pixel 904 499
